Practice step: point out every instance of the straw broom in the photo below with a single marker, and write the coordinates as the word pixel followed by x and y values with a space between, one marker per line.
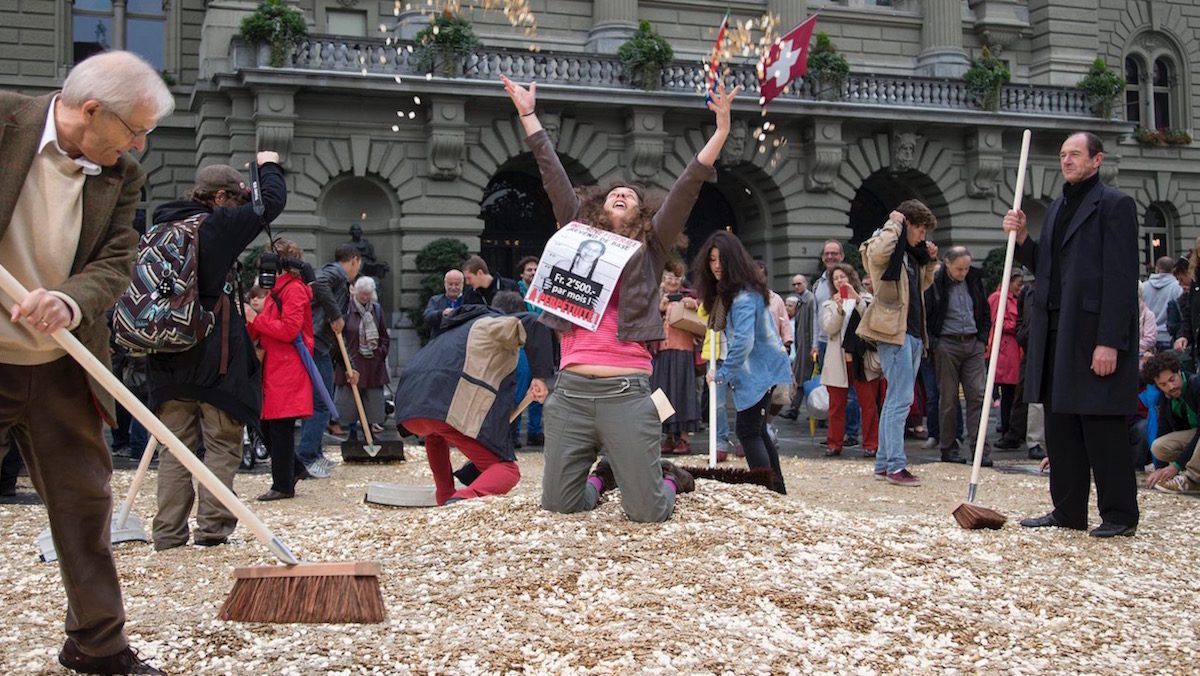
pixel 968 514
pixel 296 592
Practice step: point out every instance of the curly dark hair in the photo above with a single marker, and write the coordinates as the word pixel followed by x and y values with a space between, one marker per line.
pixel 1163 361
pixel 591 211
pixel 738 271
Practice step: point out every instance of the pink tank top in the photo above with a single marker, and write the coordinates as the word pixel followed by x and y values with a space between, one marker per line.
pixel 601 347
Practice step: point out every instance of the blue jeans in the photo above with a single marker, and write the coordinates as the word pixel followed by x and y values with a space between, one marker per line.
pixel 724 442
pixel 139 436
pixel 900 364
pixel 313 427
pixel 853 412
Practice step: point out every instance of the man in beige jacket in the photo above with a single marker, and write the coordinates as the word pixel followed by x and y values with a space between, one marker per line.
pixel 901 265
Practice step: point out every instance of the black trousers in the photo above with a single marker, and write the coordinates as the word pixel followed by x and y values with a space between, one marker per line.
pixel 1081 447
pixel 751 429
pixel 279 437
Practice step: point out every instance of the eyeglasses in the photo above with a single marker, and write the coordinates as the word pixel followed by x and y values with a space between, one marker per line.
pixel 134 134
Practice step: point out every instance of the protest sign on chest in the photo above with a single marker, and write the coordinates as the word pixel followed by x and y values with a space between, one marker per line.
pixel 578 272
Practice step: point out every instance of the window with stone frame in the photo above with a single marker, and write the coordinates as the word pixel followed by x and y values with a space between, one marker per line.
pixel 139 26
pixel 1158 233
pixel 1155 86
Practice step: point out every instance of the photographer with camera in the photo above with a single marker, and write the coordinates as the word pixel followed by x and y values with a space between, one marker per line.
pixel 286 386
pixel 212 389
pixel 331 303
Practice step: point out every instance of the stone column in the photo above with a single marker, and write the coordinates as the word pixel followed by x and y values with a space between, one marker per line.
pixel 118 41
pixel 942 52
pixel 791 13
pixel 613 22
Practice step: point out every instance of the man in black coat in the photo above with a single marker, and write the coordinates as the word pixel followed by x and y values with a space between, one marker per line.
pixel 1083 361
pixel 214 388
pixel 481 285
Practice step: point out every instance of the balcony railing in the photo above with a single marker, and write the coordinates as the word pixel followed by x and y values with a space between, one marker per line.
pixel 375 56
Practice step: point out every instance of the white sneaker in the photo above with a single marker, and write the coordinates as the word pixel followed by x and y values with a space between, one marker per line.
pixel 317 470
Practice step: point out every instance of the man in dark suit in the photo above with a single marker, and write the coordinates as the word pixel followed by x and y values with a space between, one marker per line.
pixel 1082 358
pixel 67 198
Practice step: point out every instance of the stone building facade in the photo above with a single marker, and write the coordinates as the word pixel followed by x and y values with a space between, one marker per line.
pixel 367 137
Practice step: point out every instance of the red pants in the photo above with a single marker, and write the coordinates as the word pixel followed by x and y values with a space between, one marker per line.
pixel 496 476
pixel 869 397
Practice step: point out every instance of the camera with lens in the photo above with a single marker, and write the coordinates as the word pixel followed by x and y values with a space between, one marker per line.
pixel 271 265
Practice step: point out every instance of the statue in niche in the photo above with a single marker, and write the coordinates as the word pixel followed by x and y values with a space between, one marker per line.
pixel 904 151
pixel 366 251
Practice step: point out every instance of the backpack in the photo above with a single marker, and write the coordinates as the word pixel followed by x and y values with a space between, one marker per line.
pixel 161 310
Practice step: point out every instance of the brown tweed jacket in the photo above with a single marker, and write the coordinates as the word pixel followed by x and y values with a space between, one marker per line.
pixel 107 241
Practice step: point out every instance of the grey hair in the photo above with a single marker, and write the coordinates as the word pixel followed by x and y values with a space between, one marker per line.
pixel 956 252
pixel 120 80
pixel 365 282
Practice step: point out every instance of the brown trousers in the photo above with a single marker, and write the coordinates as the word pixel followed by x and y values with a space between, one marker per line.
pixel 188 419
pixel 51 414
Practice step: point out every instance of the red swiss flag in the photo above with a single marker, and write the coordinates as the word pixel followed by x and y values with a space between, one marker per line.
pixel 787 60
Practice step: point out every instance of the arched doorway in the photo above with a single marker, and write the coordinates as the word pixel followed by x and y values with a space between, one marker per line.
pixel 712 212
pixel 517 217
pixel 882 191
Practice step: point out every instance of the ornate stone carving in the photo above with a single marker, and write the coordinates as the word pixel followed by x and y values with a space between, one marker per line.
pixel 734 151
pixel 447 139
pixel 646 141
pixel 822 144
pixel 347 3
pixel 274 119
pixel 552 123
pixel 904 151
pixel 985 161
pixel 1152 42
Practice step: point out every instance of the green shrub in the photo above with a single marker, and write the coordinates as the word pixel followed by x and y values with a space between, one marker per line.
pixel 827 67
pixel 645 56
pixel 275 24
pixel 443 41
pixel 984 79
pixel 1103 87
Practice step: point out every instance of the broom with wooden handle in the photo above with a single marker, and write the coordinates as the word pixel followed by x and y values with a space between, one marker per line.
pixel 297 592
pixel 968 514
pixel 371 449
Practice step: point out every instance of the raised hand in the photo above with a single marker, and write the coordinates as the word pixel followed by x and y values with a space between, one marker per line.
pixel 524 99
pixel 720 102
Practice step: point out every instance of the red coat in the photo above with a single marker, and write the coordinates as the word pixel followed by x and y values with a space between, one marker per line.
pixel 1008 366
pixel 287 389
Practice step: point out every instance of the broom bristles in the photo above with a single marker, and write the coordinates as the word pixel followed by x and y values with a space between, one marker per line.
pixel 760 476
pixel 974 517
pixel 300 594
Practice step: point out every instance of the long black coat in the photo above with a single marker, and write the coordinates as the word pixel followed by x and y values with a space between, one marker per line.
pixel 1099 306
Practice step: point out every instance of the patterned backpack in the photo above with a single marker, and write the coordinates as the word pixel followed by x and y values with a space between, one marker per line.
pixel 161 310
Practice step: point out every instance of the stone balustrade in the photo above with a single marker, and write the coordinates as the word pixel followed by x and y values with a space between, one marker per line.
pixel 376 56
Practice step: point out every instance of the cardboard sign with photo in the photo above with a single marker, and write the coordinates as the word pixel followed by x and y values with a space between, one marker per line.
pixel 578 271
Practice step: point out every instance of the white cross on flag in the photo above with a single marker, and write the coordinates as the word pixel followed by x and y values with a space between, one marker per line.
pixel 786 61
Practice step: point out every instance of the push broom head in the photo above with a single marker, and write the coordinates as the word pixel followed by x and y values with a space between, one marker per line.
pixel 316 593
pixel 761 476
pixel 974 517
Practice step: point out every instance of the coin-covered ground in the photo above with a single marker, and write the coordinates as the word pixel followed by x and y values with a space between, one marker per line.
pixel 842 575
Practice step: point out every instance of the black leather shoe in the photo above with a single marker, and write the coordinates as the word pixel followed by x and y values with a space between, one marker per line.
pixel 274 495
pixel 1108 530
pixel 1006 444
pixel 1047 521
pixel 953 456
pixel 790 414
pixel 1037 453
pixel 125 662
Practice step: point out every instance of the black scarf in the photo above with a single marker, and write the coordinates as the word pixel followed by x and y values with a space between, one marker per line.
pixel 919 252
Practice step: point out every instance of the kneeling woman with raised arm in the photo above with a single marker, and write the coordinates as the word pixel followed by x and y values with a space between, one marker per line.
pixel 602 396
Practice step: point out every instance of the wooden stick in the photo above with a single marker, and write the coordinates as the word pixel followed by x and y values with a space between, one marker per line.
pixel 521 407
pixel 136 485
pixel 998 325
pixel 157 429
pixel 712 399
pixel 371 448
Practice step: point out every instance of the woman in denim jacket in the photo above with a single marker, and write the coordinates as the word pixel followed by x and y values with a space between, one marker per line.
pixel 755 361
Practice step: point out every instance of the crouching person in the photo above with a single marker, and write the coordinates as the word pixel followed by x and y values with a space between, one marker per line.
pixel 1178 409
pixel 458 391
